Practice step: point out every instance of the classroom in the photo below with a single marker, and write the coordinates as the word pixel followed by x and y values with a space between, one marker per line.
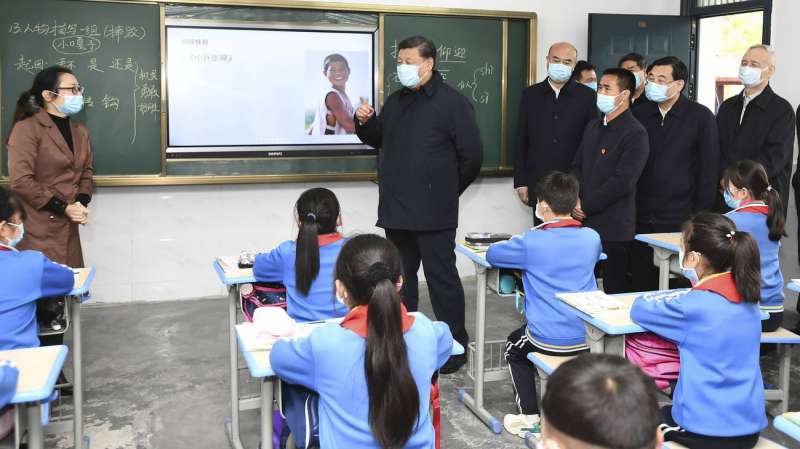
pixel 399 224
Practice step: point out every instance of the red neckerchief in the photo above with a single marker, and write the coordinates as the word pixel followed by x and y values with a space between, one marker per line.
pixel 356 320
pixel 3 248
pixel 566 223
pixel 721 284
pixel 327 239
pixel 753 207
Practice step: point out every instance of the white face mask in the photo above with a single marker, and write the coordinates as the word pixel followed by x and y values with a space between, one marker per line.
pixel 688 273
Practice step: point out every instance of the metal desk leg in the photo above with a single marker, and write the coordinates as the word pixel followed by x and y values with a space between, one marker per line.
pixel 77 382
pixel 601 343
pixel 784 375
pixel 34 422
pixel 661 259
pixel 267 394
pixel 232 425
pixel 476 404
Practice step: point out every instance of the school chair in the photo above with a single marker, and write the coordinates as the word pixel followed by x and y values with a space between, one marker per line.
pixel 545 365
pixel 784 339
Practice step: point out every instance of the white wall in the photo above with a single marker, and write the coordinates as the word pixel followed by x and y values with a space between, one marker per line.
pixel 157 243
pixel 785 36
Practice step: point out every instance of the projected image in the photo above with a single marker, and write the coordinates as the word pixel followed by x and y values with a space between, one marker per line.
pixel 332 93
pixel 231 89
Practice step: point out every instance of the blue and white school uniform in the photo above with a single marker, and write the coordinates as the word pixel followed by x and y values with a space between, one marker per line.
pixel 331 362
pixel 8 382
pixel 26 276
pixel 320 303
pixel 752 218
pixel 555 257
pixel 720 392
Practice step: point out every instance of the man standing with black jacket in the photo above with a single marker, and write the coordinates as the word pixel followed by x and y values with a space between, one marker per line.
pixel 758 124
pixel 678 179
pixel 430 152
pixel 608 163
pixel 552 117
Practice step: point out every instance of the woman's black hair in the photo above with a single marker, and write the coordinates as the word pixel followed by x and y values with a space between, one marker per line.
pixel 580 67
pixel 317 212
pixel 752 176
pixel 336 57
pixel 10 204
pixel 369 266
pixel 715 237
pixel 31 100
pixel 603 400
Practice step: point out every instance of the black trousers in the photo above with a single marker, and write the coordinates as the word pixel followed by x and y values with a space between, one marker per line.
pixel 644 272
pixel 523 373
pixel 615 267
pixel 436 251
pixel 673 432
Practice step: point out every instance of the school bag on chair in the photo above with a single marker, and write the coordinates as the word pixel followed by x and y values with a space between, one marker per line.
pixel 261 294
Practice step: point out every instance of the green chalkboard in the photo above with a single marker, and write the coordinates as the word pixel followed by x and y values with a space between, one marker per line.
pixel 114 50
pixel 518 63
pixel 469 57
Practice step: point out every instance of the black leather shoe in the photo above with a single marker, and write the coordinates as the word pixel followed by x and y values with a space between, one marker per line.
pixel 453 364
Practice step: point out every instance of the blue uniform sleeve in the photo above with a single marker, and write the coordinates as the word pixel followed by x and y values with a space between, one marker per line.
pixel 8 382
pixel 269 267
pixel 661 315
pixel 508 254
pixel 293 362
pixel 444 342
pixel 57 280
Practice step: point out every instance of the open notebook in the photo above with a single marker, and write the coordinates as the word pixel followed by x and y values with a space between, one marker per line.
pixel 592 303
pixel 252 341
pixel 230 265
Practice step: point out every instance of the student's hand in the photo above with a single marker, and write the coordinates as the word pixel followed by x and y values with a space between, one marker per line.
pixel 522 192
pixel 365 111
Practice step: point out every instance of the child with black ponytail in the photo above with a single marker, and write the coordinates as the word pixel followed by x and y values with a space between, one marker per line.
pixel 758 210
pixel 718 402
pixel 373 370
pixel 305 266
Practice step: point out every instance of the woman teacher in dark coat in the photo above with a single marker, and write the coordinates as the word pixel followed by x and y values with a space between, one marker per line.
pixel 50 165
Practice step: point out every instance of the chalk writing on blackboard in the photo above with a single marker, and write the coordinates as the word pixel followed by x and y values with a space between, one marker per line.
pixel 114 32
pixel 479 95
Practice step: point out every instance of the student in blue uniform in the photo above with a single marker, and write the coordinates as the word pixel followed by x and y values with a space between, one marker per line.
pixel 305 266
pixel 373 370
pixel 758 210
pixel 557 256
pixel 25 276
pixel 718 401
pixel 600 401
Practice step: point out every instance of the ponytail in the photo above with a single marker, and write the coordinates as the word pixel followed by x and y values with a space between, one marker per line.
pixel 746 266
pixel 715 237
pixel 393 395
pixel 317 213
pixel 306 263
pixel 753 176
pixel 776 220
pixel 370 268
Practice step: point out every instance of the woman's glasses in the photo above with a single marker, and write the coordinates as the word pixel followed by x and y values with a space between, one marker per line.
pixel 76 89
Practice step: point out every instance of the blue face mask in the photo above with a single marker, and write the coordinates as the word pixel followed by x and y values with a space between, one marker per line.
pixel 732 202
pixel 656 92
pixel 605 103
pixel 688 273
pixel 749 76
pixel 559 72
pixel 638 76
pixel 408 75
pixel 72 105
pixel 592 85
pixel 14 242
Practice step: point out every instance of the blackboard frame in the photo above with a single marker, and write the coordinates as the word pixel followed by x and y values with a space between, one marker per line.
pixel 164 179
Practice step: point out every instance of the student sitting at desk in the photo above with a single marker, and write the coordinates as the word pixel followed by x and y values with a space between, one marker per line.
pixel 758 210
pixel 600 401
pixel 305 266
pixel 373 370
pixel 25 276
pixel 718 402
pixel 557 256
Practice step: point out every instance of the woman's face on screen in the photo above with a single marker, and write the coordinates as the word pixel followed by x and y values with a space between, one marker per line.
pixel 338 73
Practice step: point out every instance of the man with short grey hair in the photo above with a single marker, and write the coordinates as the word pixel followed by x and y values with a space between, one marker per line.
pixel 758 124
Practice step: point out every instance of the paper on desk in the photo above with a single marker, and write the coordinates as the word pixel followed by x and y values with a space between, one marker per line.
pixel 252 341
pixel 592 303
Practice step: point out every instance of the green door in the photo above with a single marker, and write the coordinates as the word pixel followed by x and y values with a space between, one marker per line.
pixel 612 36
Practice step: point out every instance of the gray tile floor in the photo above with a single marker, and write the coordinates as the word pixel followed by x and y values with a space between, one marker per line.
pixel 156 374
